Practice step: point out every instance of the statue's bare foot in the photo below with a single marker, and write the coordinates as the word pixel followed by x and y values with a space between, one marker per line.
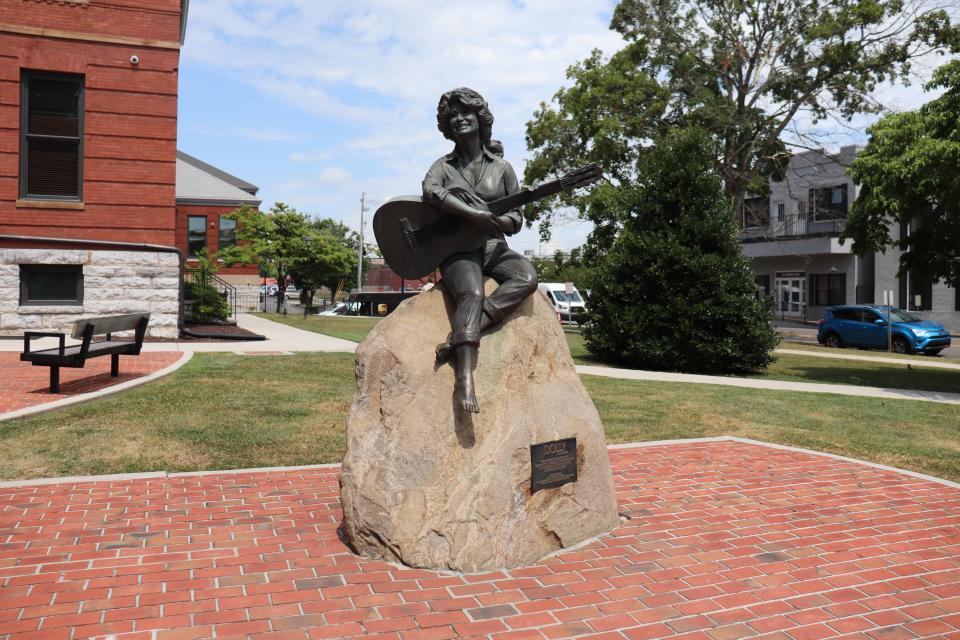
pixel 465 394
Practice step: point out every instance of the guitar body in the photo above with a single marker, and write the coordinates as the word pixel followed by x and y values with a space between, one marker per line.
pixel 415 237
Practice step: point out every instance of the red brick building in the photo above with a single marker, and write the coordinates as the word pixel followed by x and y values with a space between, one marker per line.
pixel 89 169
pixel 205 196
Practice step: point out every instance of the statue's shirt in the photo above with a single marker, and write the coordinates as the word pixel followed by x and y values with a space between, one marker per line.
pixel 497 181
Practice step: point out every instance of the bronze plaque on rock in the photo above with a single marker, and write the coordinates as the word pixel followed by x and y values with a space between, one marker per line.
pixel 553 464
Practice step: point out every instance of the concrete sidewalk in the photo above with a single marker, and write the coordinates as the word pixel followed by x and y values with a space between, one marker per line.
pixel 280 339
pixel 779 385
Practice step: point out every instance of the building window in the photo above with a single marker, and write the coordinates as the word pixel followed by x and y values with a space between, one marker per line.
pixel 756 212
pixel 227 236
pixel 921 294
pixel 196 235
pixel 828 289
pixel 44 284
pixel 915 293
pixel 781 212
pixel 763 285
pixel 801 209
pixel 51 136
pixel 828 203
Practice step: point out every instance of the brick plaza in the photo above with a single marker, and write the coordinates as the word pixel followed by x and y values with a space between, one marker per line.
pixel 23 385
pixel 725 540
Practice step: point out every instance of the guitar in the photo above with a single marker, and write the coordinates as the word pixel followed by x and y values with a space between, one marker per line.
pixel 415 236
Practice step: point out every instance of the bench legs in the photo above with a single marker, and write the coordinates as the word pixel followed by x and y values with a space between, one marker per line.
pixel 54 379
pixel 114 364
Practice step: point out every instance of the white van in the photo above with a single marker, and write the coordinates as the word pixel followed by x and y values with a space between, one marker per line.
pixel 565 298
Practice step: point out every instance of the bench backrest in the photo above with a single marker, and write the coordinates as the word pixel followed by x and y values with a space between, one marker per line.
pixel 110 324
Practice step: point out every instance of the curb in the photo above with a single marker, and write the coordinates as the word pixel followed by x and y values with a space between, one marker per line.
pixel 164 475
pixel 99 393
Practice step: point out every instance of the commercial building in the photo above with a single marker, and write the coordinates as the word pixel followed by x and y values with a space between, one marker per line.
pixel 792 239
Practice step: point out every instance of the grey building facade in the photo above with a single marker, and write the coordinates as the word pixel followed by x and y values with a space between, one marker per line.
pixel 792 240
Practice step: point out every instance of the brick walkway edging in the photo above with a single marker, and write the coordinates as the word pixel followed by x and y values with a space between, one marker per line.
pixel 99 393
pixel 8 484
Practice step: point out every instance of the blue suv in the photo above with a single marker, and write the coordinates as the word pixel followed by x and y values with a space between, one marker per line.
pixel 865 326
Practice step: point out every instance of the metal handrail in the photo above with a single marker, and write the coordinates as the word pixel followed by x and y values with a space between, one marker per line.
pixel 793 226
pixel 203 278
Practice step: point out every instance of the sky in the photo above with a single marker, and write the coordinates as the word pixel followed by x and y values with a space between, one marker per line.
pixel 318 102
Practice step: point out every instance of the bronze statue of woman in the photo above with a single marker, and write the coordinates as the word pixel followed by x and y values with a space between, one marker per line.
pixel 461 183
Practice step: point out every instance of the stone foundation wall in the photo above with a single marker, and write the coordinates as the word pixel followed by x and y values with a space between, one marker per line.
pixel 114 282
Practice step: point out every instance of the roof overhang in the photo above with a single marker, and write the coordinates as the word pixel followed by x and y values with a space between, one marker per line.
pixel 203 202
pixel 184 9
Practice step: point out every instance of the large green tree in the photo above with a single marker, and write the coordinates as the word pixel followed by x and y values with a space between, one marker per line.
pixel 330 259
pixel 561 267
pixel 674 291
pixel 276 240
pixel 910 177
pixel 743 70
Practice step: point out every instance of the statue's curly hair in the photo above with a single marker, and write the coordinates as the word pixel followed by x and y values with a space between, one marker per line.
pixel 473 101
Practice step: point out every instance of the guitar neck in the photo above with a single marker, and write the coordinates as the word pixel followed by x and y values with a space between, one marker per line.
pixel 524 196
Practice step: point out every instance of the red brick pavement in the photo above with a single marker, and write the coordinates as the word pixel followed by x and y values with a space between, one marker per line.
pixel 727 540
pixel 24 385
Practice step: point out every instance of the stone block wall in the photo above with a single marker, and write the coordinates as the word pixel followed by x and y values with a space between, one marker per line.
pixel 114 282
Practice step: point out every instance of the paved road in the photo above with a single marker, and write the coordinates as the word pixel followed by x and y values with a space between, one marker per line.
pixel 795 332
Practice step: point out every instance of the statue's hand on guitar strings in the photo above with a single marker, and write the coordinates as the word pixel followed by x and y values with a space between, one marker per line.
pixel 481 215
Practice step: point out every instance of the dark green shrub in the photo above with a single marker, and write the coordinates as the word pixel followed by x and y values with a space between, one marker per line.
pixel 208 303
pixel 674 291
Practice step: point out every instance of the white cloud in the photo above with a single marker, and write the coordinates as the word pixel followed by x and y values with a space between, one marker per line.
pixel 309 156
pixel 375 69
pixel 266 136
pixel 247 133
pixel 334 175
pixel 372 71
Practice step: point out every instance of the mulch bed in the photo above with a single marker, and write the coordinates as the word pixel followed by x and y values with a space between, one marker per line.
pixel 207 331
pixel 216 330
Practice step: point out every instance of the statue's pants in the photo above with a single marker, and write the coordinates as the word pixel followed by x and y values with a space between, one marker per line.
pixel 463 275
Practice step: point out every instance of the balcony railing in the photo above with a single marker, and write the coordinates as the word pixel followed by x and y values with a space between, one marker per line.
pixel 793 226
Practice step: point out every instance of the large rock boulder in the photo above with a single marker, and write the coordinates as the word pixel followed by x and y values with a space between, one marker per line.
pixel 429 485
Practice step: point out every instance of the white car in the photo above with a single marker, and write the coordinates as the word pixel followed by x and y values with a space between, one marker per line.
pixel 342 309
pixel 569 305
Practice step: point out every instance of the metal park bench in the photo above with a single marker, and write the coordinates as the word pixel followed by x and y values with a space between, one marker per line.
pixel 76 356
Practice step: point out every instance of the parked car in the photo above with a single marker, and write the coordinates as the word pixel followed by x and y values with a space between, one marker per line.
pixel 268 289
pixel 342 309
pixel 865 327
pixel 570 306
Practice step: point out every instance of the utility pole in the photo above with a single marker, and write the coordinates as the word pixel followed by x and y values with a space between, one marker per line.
pixel 363 210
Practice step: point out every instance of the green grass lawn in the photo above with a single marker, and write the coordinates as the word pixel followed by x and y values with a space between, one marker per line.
pixel 291 410
pixel 797 368
pixel 218 411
